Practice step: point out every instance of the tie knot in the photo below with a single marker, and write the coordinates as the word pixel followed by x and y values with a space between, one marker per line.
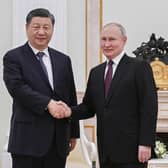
pixel 40 54
pixel 110 63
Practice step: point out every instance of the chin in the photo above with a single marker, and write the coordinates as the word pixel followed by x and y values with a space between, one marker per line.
pixel 108 56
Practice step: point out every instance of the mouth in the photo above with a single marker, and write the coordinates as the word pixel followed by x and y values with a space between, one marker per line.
pixel 108 50
pixel 40 38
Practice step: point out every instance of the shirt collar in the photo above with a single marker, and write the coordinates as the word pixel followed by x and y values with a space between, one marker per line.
pixel 117 59
pixel 36 51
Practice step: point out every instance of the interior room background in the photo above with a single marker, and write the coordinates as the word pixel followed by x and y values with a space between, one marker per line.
pixel 140 18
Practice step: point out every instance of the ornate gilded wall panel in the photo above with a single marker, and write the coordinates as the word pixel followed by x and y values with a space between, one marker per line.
pixel 160 71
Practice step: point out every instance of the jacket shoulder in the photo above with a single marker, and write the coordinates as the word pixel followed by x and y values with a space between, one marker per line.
pixel 59 54
pixel 14 52
pixel 136 60
pixel 16 49
pixel 98 67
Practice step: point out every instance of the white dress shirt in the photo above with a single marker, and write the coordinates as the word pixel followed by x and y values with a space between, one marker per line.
pixel 47 63
pixel 116 61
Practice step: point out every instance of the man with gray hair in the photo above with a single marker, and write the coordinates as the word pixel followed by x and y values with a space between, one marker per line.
pixel 122 93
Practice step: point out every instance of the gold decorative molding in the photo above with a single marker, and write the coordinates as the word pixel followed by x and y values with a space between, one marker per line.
pixel 90 129
pixel 160 72
pixel 89 124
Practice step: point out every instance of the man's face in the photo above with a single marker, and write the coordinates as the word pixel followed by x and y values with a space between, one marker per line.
pixel 39 32
pixel 112 42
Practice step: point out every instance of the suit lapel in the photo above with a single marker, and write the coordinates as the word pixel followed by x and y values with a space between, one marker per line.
pixel 117 78
pixel 55 68
pixel 102 88
pixel 35 64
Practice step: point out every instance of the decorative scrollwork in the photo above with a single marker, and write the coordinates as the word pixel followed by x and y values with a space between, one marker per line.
pixel 160 72
pixel 152 49
pixel 155 51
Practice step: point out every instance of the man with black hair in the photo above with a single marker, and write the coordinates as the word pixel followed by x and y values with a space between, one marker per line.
pixel 37 77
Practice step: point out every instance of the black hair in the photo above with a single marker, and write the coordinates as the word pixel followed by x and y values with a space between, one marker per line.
pixel 40 12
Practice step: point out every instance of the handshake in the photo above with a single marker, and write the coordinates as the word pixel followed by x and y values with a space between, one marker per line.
pixel 59 109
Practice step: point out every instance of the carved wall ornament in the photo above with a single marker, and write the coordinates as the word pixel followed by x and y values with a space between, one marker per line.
pixel 160 72
pixel 155 51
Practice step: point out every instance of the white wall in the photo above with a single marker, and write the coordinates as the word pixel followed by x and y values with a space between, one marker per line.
pixel 57 7
pixel 140 18
pixel 5 44
pixel 76 40
pixel 69 31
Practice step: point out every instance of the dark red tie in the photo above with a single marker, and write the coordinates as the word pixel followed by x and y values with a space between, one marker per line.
pixel 108 77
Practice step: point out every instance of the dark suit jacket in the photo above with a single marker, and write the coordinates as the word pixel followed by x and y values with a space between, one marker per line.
pixel 32 127
pixel 127 117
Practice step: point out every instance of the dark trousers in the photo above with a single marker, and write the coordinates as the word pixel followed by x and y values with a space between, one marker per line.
pixel 50 160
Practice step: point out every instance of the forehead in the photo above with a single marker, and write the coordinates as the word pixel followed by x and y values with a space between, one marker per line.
pixel 41 20
pixel 111 30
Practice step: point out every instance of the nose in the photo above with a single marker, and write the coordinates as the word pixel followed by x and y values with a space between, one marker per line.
pixel 41 31
pixel 107 44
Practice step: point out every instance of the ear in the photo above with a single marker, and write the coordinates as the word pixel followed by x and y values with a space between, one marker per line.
pixel 125 39
pixel 26 26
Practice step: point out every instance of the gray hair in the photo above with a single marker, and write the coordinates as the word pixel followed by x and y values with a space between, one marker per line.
pixel 121 28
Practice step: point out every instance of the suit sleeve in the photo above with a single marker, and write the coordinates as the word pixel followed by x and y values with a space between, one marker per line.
pixel 19 89
pixel 147 96
pixel 85 109
pixel 73 98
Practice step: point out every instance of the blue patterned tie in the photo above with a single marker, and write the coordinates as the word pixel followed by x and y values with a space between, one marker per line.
pixel 108 77
pixel 40 56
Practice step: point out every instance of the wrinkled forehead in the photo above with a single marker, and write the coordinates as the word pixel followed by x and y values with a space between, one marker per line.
pixel 110 30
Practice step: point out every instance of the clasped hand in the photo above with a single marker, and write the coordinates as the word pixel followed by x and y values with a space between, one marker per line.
pixel 59 109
